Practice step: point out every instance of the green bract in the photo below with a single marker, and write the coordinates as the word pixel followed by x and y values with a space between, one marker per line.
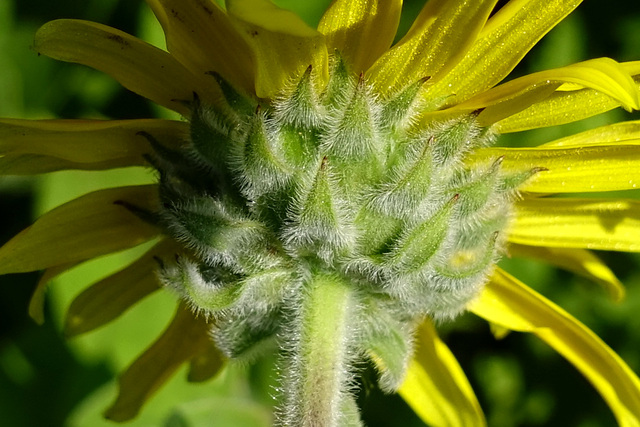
pixel 327 222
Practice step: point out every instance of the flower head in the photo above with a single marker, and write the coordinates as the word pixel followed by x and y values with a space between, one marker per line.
pixel 329 194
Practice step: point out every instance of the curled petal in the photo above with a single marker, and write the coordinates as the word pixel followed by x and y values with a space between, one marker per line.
pixel 436 388
pixel 360 30
pixel 185 338
pixel 604 75
pixel 509 303
pixel 578 223
pixel 84 228
pixel 565 106
pixel 283 45
pixel 138 66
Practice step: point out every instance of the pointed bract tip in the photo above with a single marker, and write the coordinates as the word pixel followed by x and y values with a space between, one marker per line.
pixel 183 102
pixel 217 77
pixel 196 99
pixel 323 164
pixel 159 261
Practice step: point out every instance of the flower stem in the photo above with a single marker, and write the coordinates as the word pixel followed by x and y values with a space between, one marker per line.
pixel 319 368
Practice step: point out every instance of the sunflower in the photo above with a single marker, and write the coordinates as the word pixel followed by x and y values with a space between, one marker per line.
pixel 329 194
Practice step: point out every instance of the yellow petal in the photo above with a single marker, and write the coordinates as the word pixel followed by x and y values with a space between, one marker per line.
pixel 84 228
pixel 565 107
pixel 579 261
pixel 436 388
pixel 36 303
pixel 578 223
pixel 107 299
pixel 572 170
pixel 200 35
pixel 632 67
pixel 442 32
pixel 604 75
pixel 507 302
pixel 361 30
pixel 619 133
pixel 283 45
pixel 205 365
pixel 502 43
pixel 31 164
pixel 184 338
pixel 37 146
pixel 138 66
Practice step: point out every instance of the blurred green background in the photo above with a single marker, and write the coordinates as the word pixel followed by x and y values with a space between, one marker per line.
pixel 48 381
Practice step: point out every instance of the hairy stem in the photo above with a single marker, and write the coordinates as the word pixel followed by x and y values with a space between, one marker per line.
pixel 318 371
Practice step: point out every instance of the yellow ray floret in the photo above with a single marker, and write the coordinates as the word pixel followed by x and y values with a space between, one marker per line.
pixel 185 338
pixel 138 66
pixel 500 46
pixel 572 170
pixel 441 33
pixel 360 30
pixel 566 106
pixel 510 304
pixel 436 388
pixel 579 261
pixel 38 146
pixel 108 298
pixel 87 227
pixel 201 36
pixel 283 45
pixel 578 223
